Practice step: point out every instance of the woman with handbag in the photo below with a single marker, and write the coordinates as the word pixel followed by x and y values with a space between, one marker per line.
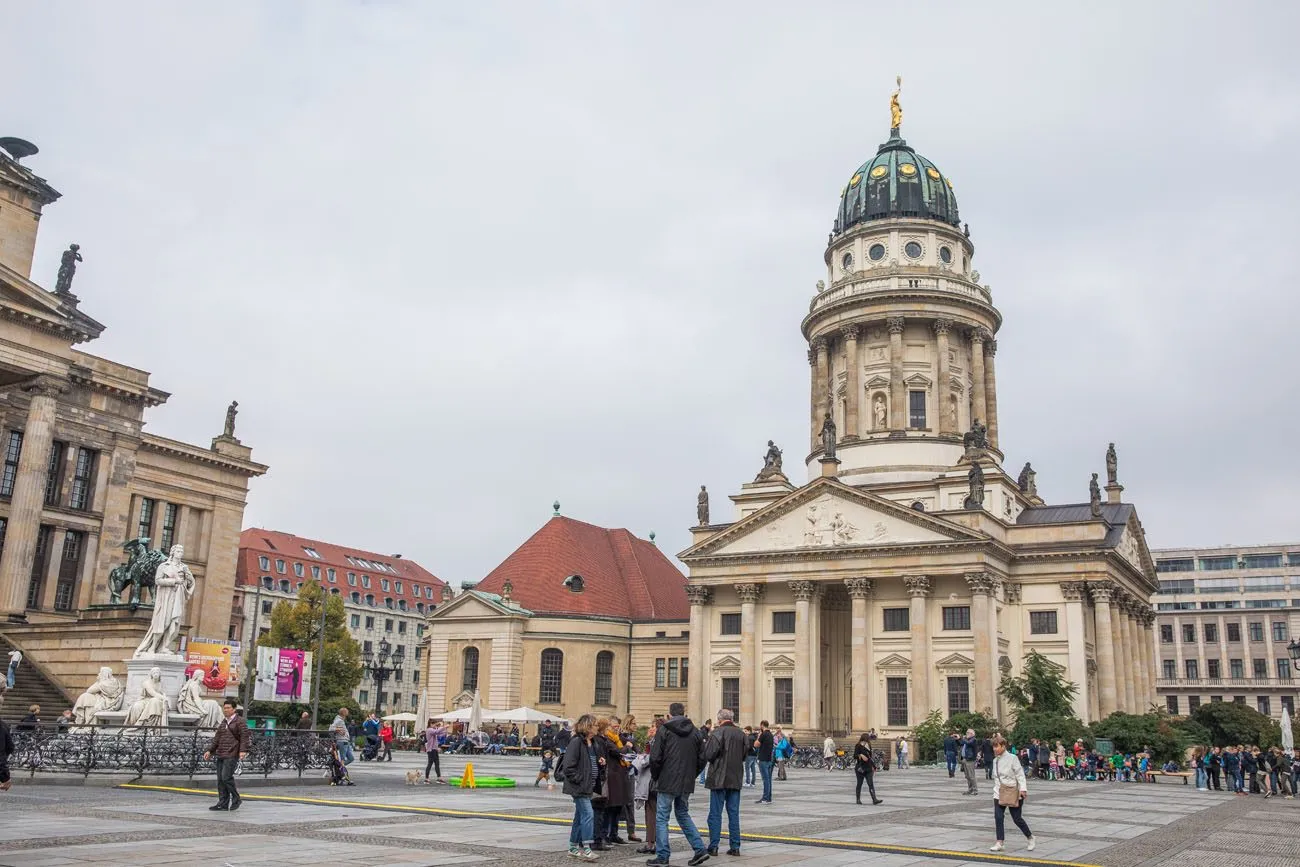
pixel 864 763
pixel 1010 791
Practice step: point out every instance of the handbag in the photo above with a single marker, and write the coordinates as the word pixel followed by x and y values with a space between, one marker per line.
pixel 1008 796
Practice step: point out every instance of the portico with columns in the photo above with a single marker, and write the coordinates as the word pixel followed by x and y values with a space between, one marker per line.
pixel 910 572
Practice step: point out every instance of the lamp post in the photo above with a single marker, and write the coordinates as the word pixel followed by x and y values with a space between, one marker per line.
pixel 379 666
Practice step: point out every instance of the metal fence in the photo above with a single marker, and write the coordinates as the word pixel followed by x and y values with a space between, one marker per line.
pixel 173 752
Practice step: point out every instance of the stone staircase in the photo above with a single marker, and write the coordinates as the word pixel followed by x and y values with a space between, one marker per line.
pixel 31 687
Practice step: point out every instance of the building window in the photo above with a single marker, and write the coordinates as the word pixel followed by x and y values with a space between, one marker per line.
pixel 297 570
pixel 285 586
pixel 13 450
pixel 144 527
pixel 267 605
pixel 1261 561
pixel 604 677
pixel 897 620
pixel 315 572
pixel 1263 584
pixel 363 697
pixel 673 681
pixel 1192 669
pixel 1289 704
pixel 896 700
pixel 1238 699
pixel 83 479
pixel 1189 633
pixel 1213 669
pixel 1283 669
pixel 383 584
pixel 1279 630
pixel 1169 668
pixel 352 579
pixel 782 624
pixel 1175 565
pixel 268 582
pixel 1257 631
pixel 401 627
pixel 397 586
pixel 1263 705
pixel 54 473
pixel 1265 603
pixel 279 566
pixel 370 621
pixel 1211 633
pixel 1220 604
pixel 367 646
pixel 958 695
pixel 956 617
pixel 552 676
pixel 36 583
pixel 731 694
pixel 356 621
pixel 1175 606
pixel 333 578
pixel 1042 622
pixel 388 624
pixel 661 673
pixel 1171 704
pixel 169 525
pixel 356 598
pixel 370 600
pixel 1218 585
pixel 916 409
pixel 469 669
pixel 311 552
pixel 1293 559
pixel 1166 633
pixel 729 624
pixel 685 664
pixel 1236 668
pixel 1234 632
pixel 1193 702
pixel 783 700
pixel 1218 564
pixel 1182 585
pixel 1259 668
pixel 365 580
pixel 265 563
pixel 388 602
pixel 69 569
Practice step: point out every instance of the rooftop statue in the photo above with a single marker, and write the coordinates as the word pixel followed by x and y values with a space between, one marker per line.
pixel 896 110
pixel 67 269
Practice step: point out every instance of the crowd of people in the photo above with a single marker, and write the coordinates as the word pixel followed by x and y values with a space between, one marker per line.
pixel 1247 770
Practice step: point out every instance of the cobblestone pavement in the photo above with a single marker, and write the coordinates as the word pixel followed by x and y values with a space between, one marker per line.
pixel 378 821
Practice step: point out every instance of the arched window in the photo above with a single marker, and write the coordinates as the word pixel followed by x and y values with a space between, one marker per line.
pixel 356 598
pixel 605 677
pixel 469 669
pixel 284 585
pixel 552 676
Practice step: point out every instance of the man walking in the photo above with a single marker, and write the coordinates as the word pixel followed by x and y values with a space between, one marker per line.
pixel 342 737
pixel 950 753
pixel 676 756
pixel 751 757
pixel 304 722
pixel 766 746
pixel 968 747
pixel 725 752
pixel 229 745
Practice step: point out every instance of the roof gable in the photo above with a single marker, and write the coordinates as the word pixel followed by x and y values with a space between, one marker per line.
pixel 829 514
pixel 475 603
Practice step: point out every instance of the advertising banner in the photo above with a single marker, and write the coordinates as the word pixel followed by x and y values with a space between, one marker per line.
pixel 283 675
pixel 219 661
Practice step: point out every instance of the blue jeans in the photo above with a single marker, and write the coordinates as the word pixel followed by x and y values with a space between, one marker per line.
pixel 345 752
pixel 667 803
pixel 751 770
pixel 1202 779
pixel 765 771
pixel 729 798
pixel 951 759
pixel 584 822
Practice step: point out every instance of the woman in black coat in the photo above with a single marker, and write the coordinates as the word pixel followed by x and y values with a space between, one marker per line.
pixel 864 763
pixel 580 771
pixel 618 784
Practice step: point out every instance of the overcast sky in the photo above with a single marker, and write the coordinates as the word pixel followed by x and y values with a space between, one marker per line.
pixel 457 261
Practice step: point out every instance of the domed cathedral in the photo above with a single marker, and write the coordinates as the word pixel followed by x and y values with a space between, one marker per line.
pixel 910 572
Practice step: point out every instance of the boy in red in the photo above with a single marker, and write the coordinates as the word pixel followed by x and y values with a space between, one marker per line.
pixel 386 738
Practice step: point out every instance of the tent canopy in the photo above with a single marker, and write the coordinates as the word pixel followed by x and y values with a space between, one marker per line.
pixel 524 716
pixel 401 717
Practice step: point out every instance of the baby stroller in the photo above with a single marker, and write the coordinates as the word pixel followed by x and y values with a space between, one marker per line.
pixel 338 772
pixel 371 749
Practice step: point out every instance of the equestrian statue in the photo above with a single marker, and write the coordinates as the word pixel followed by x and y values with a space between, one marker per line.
pixel 138 571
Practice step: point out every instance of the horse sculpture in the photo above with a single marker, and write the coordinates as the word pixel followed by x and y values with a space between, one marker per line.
pixel 138 571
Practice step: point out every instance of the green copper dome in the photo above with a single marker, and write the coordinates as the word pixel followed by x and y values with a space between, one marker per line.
pixel 897 182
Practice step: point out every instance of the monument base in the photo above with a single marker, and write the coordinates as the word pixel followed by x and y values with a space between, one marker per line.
pixel 137 672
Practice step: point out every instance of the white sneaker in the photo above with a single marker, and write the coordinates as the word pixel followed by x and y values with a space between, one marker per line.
pixel 997 847
pixel 1031 845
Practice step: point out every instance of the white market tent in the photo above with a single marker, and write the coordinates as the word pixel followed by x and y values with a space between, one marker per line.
pixel 401 717
pixel 522 716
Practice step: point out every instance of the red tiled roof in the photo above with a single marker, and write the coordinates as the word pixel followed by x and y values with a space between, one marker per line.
pixel 622 576
pixel 255 543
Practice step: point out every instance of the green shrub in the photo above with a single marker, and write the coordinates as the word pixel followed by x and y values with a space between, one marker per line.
pixel 1048 727
pixel 983 724
pixel 1134 732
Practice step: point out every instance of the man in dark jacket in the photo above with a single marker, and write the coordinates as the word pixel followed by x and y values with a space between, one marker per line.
pixel 765 744
pixel 986 753
pixel 725 752
pixel 6 750
pixel 676 756
pixel 968 747
pixel 950 753
pixel 229 745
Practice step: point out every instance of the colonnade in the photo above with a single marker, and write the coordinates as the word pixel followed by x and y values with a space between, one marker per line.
pixel 1122 633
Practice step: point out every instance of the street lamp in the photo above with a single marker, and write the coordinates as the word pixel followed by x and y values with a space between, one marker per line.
pixel 1294 649
pixel 379 666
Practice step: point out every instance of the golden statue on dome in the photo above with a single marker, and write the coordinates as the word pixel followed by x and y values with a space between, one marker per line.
pixel 896 110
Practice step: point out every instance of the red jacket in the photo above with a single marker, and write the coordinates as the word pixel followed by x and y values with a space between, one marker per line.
pixel 386 734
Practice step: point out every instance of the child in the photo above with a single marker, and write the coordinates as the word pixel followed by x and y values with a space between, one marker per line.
pixel 1070 764
pixel 544 772
pixel 338 770
pixel 1054 770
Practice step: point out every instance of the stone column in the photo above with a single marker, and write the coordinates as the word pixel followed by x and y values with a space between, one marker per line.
pixel 897 392
pixel 699 598
pixel 918 587
pixel 816 435
pixel 823 389
pixel 28 496
pixel 852 365
pixel 1104 634
pixel 1076 645
pixel 979 410
pixel 1124 686
pixel 1144 646
pixel 749 595
pixel 860 649
pixel 1140 702
pixel 946 423
pixel 803 594
pixel 991 391
pixel 981 588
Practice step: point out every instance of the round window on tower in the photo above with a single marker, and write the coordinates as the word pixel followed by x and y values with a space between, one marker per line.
pixel 945 255
pixel 847 262
pixel 877 252
pixel 912 249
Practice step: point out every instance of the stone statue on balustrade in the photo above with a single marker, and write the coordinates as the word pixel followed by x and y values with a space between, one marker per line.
pixel 977 438
pixel 702 507
pixel 975 481
pixel 1112 466
pixel 173 587
pixel 771 463
pixel 231 411
pixel 191 700
pixel 828 437
pixel 151 708
pixel 1027 482
pixel 1094 496
pixel 105 694
pixel 67 269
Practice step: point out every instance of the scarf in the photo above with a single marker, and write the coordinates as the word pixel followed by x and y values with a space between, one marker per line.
pixel 613 738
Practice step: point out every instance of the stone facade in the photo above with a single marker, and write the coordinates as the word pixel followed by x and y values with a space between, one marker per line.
pixel 81 477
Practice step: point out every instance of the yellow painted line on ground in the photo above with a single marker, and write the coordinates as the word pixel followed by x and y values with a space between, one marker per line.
pixel 821 842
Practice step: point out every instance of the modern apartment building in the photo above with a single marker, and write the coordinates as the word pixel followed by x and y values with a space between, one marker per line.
pixel 1224 618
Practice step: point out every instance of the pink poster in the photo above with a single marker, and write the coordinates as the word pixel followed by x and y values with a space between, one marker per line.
pixel 289 675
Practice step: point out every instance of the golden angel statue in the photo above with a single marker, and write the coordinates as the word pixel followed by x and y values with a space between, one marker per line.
pixel 896 110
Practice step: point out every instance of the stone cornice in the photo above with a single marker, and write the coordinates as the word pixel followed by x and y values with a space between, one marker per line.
pixel 176 448
pixel 911 303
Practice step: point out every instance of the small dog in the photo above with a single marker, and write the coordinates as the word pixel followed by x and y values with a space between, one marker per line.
pixel 413 778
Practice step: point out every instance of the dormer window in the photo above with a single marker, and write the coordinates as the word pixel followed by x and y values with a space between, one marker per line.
pixel 574 583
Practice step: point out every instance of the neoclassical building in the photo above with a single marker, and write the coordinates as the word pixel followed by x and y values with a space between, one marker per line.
pixel 910 571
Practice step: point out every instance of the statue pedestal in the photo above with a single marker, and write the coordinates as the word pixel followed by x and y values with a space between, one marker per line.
pixel 137 672
pixel 830 467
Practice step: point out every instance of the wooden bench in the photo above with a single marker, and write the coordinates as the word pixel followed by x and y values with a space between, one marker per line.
pixel 1184 774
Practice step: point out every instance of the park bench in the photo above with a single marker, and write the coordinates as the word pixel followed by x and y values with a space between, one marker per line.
pixel 1184 774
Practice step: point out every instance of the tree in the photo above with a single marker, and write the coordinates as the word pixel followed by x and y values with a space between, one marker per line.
pixel 1134 732
pixel 295 624
pixel 1040 688
pixel 928 737
pixel 1049 728
pixel 983 724
pixel 1230 724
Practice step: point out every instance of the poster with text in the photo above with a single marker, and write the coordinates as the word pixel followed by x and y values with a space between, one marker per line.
pixel 283 675
pixel 218 660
